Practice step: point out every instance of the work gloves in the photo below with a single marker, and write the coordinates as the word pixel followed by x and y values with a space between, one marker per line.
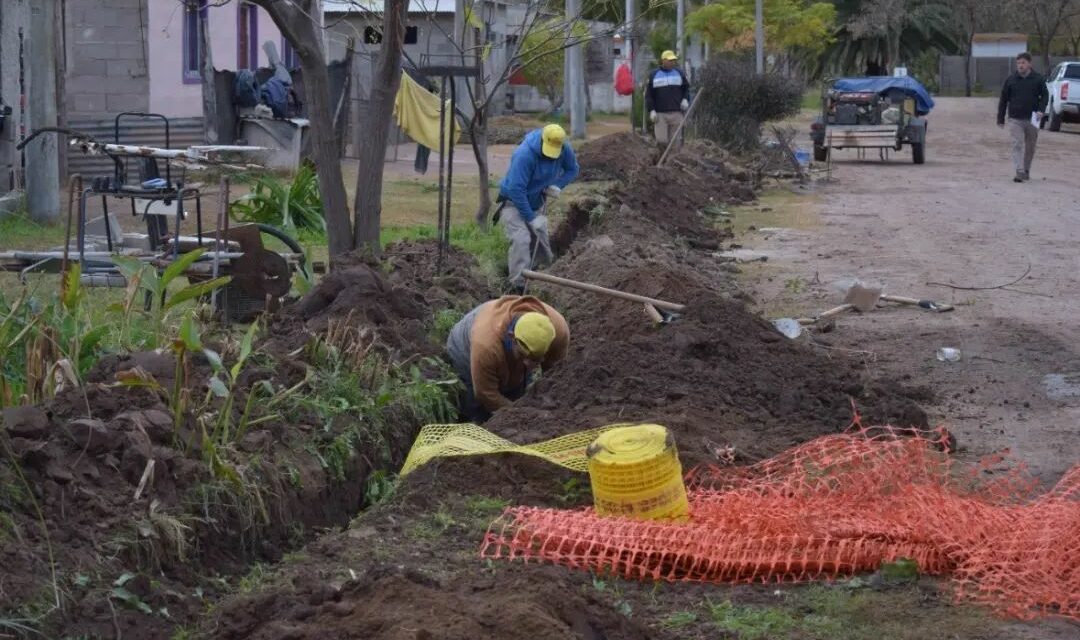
pixel 552 192
pixel 652 116
pixel 539 224
pixel 684 105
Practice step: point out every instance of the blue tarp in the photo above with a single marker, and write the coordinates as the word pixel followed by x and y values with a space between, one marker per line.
pixel 880 84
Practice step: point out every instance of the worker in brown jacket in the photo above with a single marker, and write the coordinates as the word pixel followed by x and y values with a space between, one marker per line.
pixel 497 346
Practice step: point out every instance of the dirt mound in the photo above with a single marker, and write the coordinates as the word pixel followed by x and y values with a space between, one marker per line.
pixel 395 604
pixel 678 196
pixel 413 264
pixel 396 308
pixel 616 157
pixel 717 375
pixel 106 484
pixel 510 129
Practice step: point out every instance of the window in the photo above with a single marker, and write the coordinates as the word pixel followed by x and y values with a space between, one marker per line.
pixel 411 35
pixel 1072 71
pixel 247 36
pixel 372 35
pixel 288 55
pixel 194 17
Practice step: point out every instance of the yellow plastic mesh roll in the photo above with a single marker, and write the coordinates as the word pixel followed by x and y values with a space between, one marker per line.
pixel 448 440
pixel 635 472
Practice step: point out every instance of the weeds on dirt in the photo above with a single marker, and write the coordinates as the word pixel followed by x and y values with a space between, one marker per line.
pixel 445 319
pixel 354 389
pixel 46 346
pixel 488 245
pixel 678 620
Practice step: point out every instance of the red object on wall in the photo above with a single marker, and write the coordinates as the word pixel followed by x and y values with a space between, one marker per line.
pixel 624 80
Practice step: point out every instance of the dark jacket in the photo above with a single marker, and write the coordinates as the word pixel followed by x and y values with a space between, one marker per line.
pixel 1021 97
pixel 666 90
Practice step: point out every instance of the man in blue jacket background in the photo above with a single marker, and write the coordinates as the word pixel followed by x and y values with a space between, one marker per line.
pixel 541 167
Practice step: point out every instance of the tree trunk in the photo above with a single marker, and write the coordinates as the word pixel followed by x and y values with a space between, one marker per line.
pixel 324 149
pixel 305 37
pixel 480 147
pixel 480 150
pixel 967 65
pixel 384 88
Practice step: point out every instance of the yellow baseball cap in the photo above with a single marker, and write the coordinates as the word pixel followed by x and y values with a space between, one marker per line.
pixel 669 55
pixel 552 137
pixel 534 333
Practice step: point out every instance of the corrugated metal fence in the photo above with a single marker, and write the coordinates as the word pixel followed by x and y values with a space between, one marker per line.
pixel 183 133
pixel 987 74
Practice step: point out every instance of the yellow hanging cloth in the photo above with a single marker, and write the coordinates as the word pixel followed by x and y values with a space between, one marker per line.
pixel 417 112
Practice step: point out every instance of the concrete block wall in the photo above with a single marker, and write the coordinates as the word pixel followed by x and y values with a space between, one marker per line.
pixel 106 58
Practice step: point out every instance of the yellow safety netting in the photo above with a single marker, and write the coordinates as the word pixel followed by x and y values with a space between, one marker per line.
pixel 447 440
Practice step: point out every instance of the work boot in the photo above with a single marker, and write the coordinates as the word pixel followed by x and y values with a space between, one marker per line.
pixel 1019 177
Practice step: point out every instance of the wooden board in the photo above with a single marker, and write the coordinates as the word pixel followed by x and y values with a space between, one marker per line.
pixel 860 136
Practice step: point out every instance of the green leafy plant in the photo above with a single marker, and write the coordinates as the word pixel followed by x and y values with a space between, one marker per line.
pixel 293 206
pixel 144 278
pixel 43 344
pixel 119 592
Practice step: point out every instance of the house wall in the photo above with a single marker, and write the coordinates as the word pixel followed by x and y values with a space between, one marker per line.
pixel 168 94
pixel 105 57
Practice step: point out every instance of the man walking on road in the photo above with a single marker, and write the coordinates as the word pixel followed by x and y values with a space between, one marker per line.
pixel 667 97
pixel 541 167
pixel 1023 99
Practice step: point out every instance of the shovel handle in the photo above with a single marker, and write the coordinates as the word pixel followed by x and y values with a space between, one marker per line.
pixel 927 304
pixel 824 315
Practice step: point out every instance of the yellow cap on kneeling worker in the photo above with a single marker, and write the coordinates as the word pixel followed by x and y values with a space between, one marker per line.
pixel 534 332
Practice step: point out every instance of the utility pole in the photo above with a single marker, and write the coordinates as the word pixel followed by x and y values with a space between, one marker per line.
pixel 576 56
pixel 680 19
pixel 759 36
pixel 42 162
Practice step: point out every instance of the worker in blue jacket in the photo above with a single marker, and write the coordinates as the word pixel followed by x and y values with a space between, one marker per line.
pixel 541 167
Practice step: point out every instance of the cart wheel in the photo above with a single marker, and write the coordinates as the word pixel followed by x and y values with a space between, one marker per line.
pixel 918 152
pixel 821 154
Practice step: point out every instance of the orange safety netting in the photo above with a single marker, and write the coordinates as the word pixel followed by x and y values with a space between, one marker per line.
pixel 833 507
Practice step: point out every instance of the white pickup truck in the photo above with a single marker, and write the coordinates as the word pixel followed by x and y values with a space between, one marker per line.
pixel 1063 83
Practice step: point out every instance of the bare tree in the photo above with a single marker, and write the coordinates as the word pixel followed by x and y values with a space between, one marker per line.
pixel 1046 18
pixel 298 21
pixel 384 89
pixel 1072 34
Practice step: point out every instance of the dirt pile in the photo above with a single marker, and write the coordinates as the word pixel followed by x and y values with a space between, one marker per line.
pixel 510 129
pixel 395 307
pixel 122 491
pixel 616 157
pixel 716 375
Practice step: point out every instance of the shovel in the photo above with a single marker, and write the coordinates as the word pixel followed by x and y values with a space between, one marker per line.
pixel 860 297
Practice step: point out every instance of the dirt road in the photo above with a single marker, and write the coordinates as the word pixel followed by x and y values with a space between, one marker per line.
pixel 959 219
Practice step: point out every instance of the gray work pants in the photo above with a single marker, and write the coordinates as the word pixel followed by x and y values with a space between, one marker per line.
pixel 666 125
pixel 523 243
pixel 1024 136
pixel 459 350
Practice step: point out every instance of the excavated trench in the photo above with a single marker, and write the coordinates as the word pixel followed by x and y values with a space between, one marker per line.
pixel 717 376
